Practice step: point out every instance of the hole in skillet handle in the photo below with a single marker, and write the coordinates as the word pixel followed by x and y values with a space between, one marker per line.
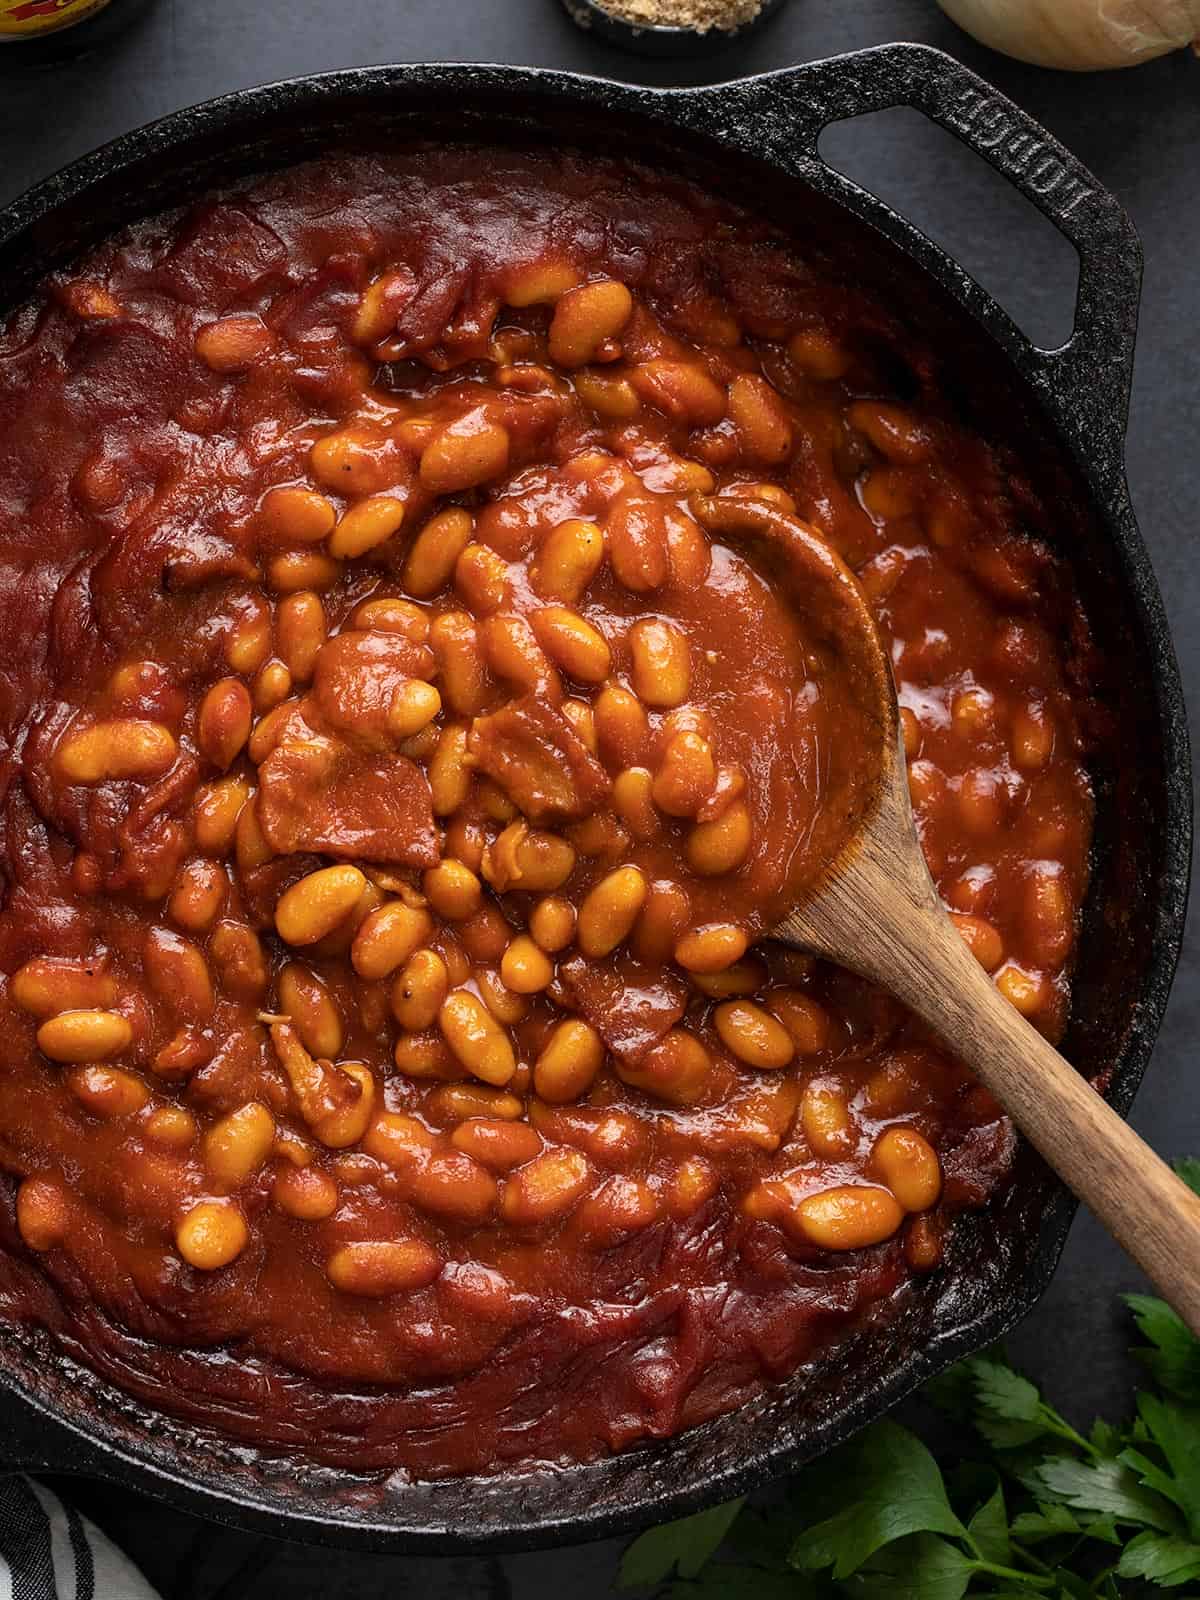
pixel 1088 378
pixel 660 40
pixel 1007 245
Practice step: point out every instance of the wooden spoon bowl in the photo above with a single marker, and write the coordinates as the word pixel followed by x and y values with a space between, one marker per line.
pixel 870 905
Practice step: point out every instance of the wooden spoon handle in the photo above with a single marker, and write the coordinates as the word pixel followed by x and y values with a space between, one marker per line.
pixel 1147 1209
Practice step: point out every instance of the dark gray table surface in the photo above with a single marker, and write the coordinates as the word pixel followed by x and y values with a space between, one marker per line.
pixel 1139 131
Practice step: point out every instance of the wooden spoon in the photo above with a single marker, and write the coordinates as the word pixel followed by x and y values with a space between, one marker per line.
pixel 872 906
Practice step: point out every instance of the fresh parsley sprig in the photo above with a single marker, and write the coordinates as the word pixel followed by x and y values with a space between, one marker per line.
pixel 1034 1509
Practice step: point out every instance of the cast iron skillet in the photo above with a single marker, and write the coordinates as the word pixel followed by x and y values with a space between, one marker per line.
pixel 1063 411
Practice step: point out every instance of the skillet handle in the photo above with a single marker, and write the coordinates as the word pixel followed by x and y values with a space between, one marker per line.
pixel 1095 366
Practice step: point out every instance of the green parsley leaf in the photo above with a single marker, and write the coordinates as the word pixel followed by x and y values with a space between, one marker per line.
pixel 683 1546
pixel 1173 1361
pixel 922 1567
pixel 1049 1521
pixel 1188 1168
pixel 1108 1487
pixel 1175 1429
pixel 1160 1558
pixel 721 1581
pixel 893 1487
pixel 988 1530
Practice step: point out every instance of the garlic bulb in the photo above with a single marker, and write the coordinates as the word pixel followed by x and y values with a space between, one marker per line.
pixel 1080 35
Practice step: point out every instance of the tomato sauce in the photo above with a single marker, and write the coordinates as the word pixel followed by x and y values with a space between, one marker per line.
pixel 402 775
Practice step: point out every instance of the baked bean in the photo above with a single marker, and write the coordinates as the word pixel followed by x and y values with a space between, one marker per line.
pixel 511 650
pixel 742 978
pixel 573 644
pixel 805 1019
pixel 981 938
pixel 185 1051
pixel 633 802
pixel 251 848
pixel 552 924
pixel 677 1069
pixel 753 1035
pixel 661 664
pixel 681 389
pixel 302 628
pixel 305 1193
pixel 178 974
pixel 453 1185
pixel 539 282
pixel 549 1186
pixel 233 344
pixel 568 561
pixel 377 1268
pixel 172 1126
pixel 505 1004
pixel 88 1035
pixel 272 685
pixel 585 318
pixel 248 642
pixel 908 1164
pixel 43 1213
pixel 425 1055
pixel 485 936
pixel 238 1144
pixel 435 552
pixel 458 1101
pixel 453 890
pixel 665 915
pixel 499 1144
pixel 894 432
pixel 199 892
pixel 387 937
pixel 346 1124
pixel 107 1091
pixel 826 1121
pixel 215 814
pixel 608 395
pixel 711 948
pixel 1029 992
pixel 315 906
pixel 399 1140
pixel 532 860
pixel 693 1183
pixel 313 1011
pixel 414 705
pixel 450 770
pixel 481 578
pixel 211 1235
pixel 622 727
pixel 609 911
pixel 302 569
pixel 524 966
pixel 686 776
pixel 757 413
pixel 240 959
pixel 467 452
pixel 722 845
pixel 48 984
pixel 818 354
pixel 476 1039
pixel 569 1061
pixel 366 525
pixel 121 748
pixel 294 515
pixel 849 1217
pixel 419 989
pixel 638 548
pixel 599 836
pixel 223 722
pixel 1032 738
pixel 1048 914
pixel 620 1207
pixel 466 683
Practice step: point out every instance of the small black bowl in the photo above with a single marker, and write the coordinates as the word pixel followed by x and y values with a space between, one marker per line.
pixel 658 40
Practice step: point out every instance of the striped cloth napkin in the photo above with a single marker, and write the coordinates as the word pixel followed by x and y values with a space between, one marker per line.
pixel 49 1552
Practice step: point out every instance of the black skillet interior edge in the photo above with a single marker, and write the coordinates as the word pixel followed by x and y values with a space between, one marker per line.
pixel 758 139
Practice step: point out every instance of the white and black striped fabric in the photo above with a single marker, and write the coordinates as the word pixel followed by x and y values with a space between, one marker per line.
pixel 49 1552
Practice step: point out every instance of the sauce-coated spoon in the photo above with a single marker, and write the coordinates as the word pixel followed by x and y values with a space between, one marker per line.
pixel 873 907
